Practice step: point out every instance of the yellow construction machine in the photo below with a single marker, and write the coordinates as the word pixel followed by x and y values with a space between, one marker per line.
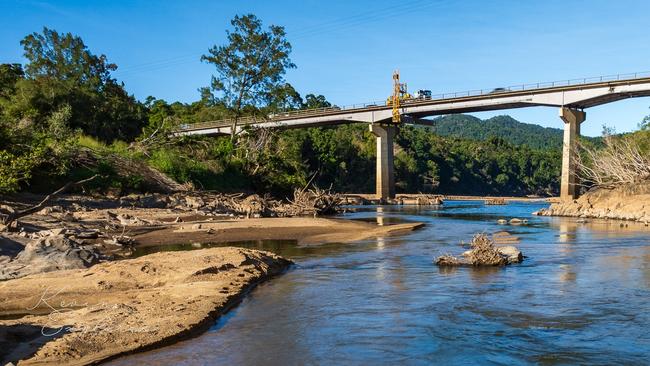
pixel 400 93
pixel 401 96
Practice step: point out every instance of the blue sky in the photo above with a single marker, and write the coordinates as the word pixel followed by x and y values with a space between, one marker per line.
pixel 347 50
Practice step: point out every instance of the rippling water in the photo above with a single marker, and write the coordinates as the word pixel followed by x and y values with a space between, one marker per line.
pixel 581 297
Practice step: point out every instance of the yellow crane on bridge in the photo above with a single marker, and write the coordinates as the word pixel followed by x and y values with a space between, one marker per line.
pixel 400 93
pixel 402 96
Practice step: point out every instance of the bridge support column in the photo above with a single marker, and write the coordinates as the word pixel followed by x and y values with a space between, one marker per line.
pixel 569 183
pixel 385 184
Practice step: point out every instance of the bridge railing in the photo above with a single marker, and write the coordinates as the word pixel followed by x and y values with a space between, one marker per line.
pixel 470 93
pixel 543 85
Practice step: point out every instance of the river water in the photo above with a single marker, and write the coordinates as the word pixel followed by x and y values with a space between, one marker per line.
pixel 581 297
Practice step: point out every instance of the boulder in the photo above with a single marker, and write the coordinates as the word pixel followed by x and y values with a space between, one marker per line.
pixel 130 200
pixel 49 254
pixel 511 253
pixel 154 201
pixel 144 201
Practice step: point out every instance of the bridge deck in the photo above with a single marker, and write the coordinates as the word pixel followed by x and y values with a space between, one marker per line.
pixel 460 102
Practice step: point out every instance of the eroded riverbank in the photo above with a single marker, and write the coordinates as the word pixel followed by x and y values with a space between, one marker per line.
pixel 626 202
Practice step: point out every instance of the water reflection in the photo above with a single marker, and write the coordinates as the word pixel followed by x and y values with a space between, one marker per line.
pixel 581 297
pixel 567 273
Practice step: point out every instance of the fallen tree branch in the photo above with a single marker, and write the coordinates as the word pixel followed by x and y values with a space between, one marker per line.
pixel 13 216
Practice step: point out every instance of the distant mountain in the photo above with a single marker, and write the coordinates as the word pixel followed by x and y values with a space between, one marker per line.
pixel 506 127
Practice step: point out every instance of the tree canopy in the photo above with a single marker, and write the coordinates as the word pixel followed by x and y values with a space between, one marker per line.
pixel 61 71
pixel 250 68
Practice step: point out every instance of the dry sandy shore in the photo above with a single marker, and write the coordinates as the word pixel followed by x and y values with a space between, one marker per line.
pixel 306 231
pixel 87 315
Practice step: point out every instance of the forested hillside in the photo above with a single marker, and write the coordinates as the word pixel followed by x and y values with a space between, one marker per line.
pixel 505 127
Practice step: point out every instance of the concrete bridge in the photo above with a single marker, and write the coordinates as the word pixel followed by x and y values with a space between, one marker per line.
pixel 572 97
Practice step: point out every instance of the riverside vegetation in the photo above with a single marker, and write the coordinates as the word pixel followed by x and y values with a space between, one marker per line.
pixel 616 178
pixel 64 117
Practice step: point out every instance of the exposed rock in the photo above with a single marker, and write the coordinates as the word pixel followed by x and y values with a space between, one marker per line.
pixel 68 216
pixel 627 202
pixel 49 254
pixel 86 234
pixel 128 220
pixel 49 210
pixel 7 209
pixel 512 254
pixel 57 231
pixel 121 240
pixel 355 200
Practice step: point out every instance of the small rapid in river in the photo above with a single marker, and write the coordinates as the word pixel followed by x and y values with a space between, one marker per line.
pixel 581 297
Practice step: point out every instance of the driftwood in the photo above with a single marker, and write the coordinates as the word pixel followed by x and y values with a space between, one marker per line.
pixel 314 202
pixel 482 253
pixel 495 201
pixel 14 215
pixel 305 201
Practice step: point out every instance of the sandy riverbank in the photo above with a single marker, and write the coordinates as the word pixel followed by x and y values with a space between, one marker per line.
pixel 87 315
pixel 90 312
pixel 305 231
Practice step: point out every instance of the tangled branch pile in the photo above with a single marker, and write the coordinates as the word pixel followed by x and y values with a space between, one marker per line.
pixel 620 161
pixel 314 202
pixel 482 253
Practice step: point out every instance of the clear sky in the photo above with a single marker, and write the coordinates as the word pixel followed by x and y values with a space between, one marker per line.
pixel 347 50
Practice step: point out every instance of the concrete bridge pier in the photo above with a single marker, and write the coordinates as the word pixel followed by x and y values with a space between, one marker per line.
pixel 385 183
pixel 569 183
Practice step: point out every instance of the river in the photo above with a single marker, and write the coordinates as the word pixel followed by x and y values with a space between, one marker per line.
pixel 581 297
